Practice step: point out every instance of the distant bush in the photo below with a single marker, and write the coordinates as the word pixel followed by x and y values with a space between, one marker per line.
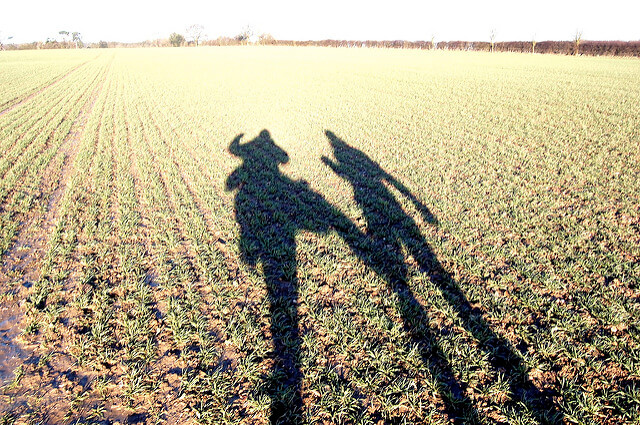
pixel 610 48
pixel 222 41
pixel 592 48
pixel 266 39
pixel 176 40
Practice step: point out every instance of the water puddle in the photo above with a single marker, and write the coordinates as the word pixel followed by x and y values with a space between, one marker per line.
pixel 11 354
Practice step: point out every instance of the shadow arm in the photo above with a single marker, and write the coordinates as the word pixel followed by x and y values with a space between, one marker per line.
pixel 422 208
pixel 333 165
pixel 234 146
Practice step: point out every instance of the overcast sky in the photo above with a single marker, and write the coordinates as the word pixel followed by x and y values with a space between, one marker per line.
pixel 130 20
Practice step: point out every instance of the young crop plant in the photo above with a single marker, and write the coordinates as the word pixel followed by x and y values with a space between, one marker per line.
pixel 295 235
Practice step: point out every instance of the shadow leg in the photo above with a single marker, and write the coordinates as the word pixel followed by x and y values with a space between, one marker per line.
pixel 284 382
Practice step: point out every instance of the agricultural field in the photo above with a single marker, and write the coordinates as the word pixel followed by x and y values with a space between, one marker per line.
pixel 260 235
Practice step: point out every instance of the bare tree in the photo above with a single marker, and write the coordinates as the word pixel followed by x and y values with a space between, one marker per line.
pixel 492 39
pixel 433 41
pixel 245 36
pixel 533 44
pixel 577 39
pixel 194 33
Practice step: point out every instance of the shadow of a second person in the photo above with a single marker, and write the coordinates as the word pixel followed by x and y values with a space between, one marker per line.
pixel 271 209
pixel 391 231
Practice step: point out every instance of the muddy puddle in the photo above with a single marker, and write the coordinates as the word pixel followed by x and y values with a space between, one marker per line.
pixel 11 353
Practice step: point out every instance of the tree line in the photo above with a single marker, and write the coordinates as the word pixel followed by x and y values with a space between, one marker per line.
pixel 586 47
pixel 195 36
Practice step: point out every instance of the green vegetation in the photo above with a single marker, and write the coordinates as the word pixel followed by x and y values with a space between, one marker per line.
pixel 176 40
pixel 314 235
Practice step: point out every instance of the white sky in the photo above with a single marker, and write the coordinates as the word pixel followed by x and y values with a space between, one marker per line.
pixel 131 20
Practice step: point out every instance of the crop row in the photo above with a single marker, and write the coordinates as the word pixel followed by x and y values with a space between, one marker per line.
pixel 33 143
pixel 26 77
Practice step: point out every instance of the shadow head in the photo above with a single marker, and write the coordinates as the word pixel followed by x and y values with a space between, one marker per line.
pixel 261 149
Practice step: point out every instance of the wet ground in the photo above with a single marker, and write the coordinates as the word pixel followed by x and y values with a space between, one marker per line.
pixel 11 354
